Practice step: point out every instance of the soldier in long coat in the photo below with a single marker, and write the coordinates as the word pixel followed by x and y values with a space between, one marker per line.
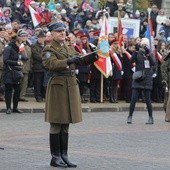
pixel 63 105
pixel 165 71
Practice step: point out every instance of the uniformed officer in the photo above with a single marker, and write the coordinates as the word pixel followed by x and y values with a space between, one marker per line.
pixel 63 104
pixel 165 71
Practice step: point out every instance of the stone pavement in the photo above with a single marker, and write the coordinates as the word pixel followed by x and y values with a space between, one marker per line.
pixel 34 107
pixel 103 141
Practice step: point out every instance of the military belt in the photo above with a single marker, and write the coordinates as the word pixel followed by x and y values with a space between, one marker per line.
pixel 71 73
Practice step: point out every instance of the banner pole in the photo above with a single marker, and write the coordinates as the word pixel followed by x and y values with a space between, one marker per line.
pixel 101 89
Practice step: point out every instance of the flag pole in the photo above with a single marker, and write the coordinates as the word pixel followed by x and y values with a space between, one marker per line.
pixel 104 62
pixel 101 89
pixel 101 81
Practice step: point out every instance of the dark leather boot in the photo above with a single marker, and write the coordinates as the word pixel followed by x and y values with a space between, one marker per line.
pixel 56 160
pixel 16 110
pixel 150 121
pixel 64 150
pixel 8 111
pixel 129 119
pixel 111 100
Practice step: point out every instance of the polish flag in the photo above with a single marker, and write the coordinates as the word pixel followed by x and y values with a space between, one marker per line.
pixel 120 33
pixel 36 18
pixel 26 4
pixel 21 48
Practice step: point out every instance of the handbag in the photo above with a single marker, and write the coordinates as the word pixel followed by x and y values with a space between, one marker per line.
pixel 16 73
pixel 139 75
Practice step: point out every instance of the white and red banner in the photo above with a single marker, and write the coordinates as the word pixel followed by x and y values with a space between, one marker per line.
pixel 36 18
pixel 103 64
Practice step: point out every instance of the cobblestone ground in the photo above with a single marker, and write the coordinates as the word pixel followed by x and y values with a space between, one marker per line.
pixel 103 141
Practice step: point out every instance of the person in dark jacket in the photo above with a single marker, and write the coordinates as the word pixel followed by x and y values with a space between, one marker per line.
pixel 117 70
pixel 37 68
pixel 95 75
pixel 95 80
pixel 112 7
pixel 158 90
pixel 144 61
pixel 26 50
pixel 83 75
pixel 12 62
pixel 153 16
pixel 128 71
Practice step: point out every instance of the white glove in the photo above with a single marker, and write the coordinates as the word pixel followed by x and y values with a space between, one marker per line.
pixel 133 69
pixel 154 75
pixel 122 72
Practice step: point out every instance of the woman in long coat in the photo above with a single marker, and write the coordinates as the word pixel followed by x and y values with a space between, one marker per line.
pixel 11 62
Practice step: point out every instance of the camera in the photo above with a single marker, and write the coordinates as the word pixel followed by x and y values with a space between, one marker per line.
pixel 144 47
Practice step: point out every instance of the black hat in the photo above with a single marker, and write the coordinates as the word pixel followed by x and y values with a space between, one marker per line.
pixel 16 20
pixel 41 34
pixel 58 26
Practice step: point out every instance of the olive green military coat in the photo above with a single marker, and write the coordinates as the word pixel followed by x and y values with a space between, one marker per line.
pixel 165 71
pixel 63 103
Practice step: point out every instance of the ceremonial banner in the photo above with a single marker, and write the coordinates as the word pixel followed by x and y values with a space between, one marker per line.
pixel 104 62
pixel 120 33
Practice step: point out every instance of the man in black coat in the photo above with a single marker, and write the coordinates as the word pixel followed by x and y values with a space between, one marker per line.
pixel 128 72
pixel 37 68
pixel 153 15
pixel 112 6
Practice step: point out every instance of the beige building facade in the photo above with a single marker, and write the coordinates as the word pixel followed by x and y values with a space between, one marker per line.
pixel 166 6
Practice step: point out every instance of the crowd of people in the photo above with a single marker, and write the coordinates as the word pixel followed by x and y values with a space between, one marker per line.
pixel 83 25
pixel 57 61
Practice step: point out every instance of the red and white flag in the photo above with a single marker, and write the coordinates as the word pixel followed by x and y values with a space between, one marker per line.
pixel 26 4
pixel 36 18
pixel 103 64
pixel 22 48
pixel 120 32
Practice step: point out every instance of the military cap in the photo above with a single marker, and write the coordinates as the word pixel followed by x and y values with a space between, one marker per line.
pixel 91 30
pixel 78 34
pixel 96 33
pixel 22 33
pixel 58 26
pixel 83 36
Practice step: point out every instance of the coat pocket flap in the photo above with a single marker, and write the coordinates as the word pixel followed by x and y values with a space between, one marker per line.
pixel 57 82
